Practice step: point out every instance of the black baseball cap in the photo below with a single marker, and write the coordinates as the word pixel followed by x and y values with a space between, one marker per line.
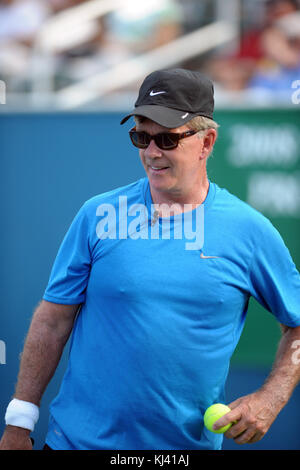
pixel 173 97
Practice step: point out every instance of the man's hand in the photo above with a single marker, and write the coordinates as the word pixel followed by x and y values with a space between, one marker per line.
pixel 15 438
pixel 252 414
pixel 255 413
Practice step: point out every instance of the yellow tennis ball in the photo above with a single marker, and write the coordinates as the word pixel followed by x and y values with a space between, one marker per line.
pixel 212 414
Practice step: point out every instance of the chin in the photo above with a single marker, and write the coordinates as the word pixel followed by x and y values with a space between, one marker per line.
pixel 159 183
pixel 163 188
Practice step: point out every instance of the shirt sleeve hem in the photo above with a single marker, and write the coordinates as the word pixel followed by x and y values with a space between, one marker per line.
pixel 64 300
pixel 290 323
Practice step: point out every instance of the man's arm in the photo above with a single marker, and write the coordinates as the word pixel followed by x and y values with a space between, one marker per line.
pixel 48 333
pixel 255 413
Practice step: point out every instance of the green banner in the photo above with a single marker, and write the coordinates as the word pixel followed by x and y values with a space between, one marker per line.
pixel 257 158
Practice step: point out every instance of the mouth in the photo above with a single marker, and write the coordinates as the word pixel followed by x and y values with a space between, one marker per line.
pixel 158 169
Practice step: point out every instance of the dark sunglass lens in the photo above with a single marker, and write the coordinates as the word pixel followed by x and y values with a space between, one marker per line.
pixel 139 139
pixel 164 140
pixel 167 140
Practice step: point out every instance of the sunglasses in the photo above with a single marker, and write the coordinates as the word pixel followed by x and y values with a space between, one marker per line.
pixel 163 140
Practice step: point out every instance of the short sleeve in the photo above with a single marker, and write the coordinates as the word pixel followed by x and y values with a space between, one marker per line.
pixel 273 277
pixel 70 271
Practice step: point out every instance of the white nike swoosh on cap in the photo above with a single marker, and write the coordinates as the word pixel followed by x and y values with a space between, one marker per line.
pixel 185 115
pixel 152 93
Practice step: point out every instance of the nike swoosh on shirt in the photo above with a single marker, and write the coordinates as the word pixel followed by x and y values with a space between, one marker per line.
pixel 206 257
pixel 153 93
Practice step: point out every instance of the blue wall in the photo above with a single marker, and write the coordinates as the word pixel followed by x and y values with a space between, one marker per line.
pixel 50 164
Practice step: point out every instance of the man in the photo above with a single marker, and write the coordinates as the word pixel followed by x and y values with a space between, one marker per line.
pixel 157 302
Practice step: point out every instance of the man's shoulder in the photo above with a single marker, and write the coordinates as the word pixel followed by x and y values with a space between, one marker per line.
pixel 240 212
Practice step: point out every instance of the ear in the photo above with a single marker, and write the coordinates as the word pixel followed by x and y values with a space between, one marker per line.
pixel 208 142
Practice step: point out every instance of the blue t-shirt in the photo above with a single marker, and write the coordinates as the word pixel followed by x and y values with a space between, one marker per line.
pixel 160 318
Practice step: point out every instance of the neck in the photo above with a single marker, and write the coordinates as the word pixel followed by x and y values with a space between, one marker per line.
pixel 174 202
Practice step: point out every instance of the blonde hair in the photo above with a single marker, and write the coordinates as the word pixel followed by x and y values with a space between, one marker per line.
pixel 201 124
pixel 198 123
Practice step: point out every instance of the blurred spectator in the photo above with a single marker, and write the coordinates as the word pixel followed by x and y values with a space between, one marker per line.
pixel 20 23
pixel 142 26
pixel 20 20
pixel 195 14
pixel 275 40
pixel 282 44
pixel 260 42
pixel 133 29
pixel 262 50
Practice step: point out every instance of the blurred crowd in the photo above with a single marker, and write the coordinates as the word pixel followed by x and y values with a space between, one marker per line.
pixel 264 61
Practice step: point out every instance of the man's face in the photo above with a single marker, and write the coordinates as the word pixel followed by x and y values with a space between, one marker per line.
pixel 176 172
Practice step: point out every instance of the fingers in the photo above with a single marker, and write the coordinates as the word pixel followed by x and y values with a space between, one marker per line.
pixel 236 430
pixel 230 417
pixel 245 428
pixel 242 434
pixel 257 437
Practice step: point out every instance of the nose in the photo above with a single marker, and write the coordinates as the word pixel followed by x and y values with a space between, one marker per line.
pixel 153 150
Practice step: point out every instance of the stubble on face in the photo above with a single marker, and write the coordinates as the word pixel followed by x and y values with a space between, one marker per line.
pixel 178 175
